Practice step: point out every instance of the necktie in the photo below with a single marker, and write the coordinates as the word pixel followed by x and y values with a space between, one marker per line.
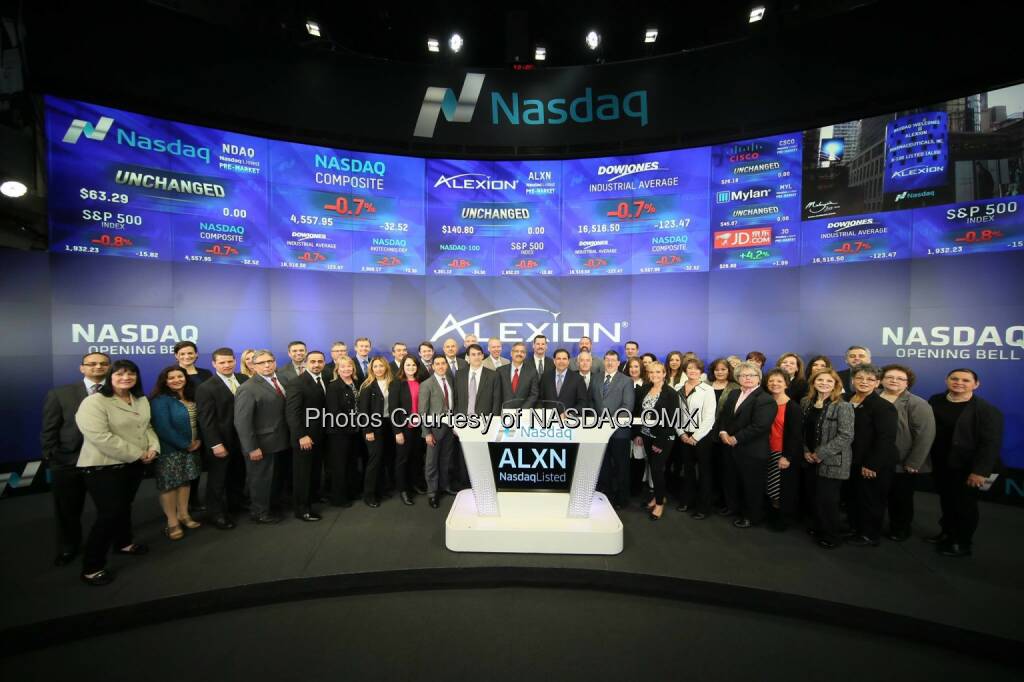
pixel 365 367
pixel 277 386
pixel 455 366
pixel 95 388
pixel 233 384
pixel 558 384
pixel 586 380
pixel 320 384
pixel 447 400
pixel 515 380
pixel 606 386
pixel 540 366
pixel 472 393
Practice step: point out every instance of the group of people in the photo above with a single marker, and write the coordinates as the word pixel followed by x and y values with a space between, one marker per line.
pixel 775 446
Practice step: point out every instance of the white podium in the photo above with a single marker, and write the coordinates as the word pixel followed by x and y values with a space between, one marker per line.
pixel 487 518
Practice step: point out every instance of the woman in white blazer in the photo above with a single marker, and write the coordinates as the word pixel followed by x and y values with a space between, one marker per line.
pixel 117 440
pixel 699 407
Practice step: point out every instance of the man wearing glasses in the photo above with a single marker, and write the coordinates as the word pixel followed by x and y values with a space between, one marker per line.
pixel 62 441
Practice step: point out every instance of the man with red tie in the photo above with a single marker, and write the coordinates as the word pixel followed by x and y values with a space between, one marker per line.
pixel 263 432
pixel 519 382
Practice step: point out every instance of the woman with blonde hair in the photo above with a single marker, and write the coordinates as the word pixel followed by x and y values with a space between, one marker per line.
pixel 373 401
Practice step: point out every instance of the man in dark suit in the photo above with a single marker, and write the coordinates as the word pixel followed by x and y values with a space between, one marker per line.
pixel 563 387
pixel 263 432
pixel 61 443
pixel 339 350
pixel 539 362
pixel 398 350
pixel 744 425
pixel 225 464
pixel 477 391
pixel 426 353
pixel 297 355
pixel 519 387
pixel 611 390
pixel 632 350
pixel 362 358
pixel 451 354
pixel 304 408
pixel 855 357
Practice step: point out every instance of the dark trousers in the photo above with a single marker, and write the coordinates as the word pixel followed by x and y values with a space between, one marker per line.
pixel 376 451
pixel 67 483
pixel 871 495
pixel 303 488
pixel 789 493
pixel 405 457
pixel 438 460
pixel 225 480
pixel 656 461
pixel 615 471
pixel 264 482
pixel 697 475
pixel 959 504
pixel 112 490
pixel 901 503
pixel 340 447
pixel 826 506
pixel 719 455
pixel 745 485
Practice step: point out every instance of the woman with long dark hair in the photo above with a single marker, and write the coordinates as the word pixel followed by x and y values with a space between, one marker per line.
pixel 656 439
pixel 404 395
pixel 174 415
pixel 117 440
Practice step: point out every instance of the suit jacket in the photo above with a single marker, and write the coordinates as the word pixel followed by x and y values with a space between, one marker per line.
pixel 620 396
pixel 874 434
pixel 286 373
pixel 461 364
pixel 60 438
pixel 259 416
pixel 341 400
pixel 304 395
pixel 488 392
pixel 531 365
pixel 668 403
pixel 371 401
pixel 200 377
pixel 216 406
pixel 845 378
pixel 574 390
pixel 750 425
pixel 793 434
pixel 432 402
pixel 360 376
pixel 171 423
pixel 400 398
pixel 114 432
pixel 396 370
pixel 490 364
pixel 529 388
pixel 977 436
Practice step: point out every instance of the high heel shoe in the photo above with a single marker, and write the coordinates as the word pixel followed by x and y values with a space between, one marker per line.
pixel 174 532
pixel 189 522
pixel 655 513
pixel 651 504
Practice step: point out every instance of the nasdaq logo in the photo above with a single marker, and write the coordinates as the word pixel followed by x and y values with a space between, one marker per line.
pixel 442 101
pixel 96 132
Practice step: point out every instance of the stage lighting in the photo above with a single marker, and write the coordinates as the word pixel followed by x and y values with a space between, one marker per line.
pixel 757 13
pixel 313 29
pixel 13 189
pixel 540 54
pixel 455 42
pixel 593 40
pixel 651 35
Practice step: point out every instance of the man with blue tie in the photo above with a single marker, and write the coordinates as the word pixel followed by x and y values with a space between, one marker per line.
pixel 451 354
pixel 562 388
pixel 362 359
pixel 612 391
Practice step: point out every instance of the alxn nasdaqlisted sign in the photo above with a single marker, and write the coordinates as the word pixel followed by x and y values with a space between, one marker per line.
pixel 510 108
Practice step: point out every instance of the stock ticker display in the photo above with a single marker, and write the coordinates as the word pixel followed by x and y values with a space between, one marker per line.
pixel 924 184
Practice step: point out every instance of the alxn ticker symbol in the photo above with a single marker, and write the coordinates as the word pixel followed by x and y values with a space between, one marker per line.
pixel 442 101
pixel 97 132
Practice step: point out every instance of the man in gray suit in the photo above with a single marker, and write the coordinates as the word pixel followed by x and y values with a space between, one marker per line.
pixel 519 384
pixel 612 390
pixel 494 360
pixel 437 397
pixel 263 432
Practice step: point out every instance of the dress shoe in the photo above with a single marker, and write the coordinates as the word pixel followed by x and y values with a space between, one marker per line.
pixel 406 500
pixel 683 508
pixel 850 534
pixel 266 518
pixel 725 511
pixel 698 516
pixel 827 544
pixel 420 490
pixel 197 508
pixel 432 501
pixel 898 537
pixel 955 550
pixel 372 502
pixel 862 541
pixel 451 491
pixel 64 558
pixel 104 577
pixel 742 523
pixel 940 539
pixel 308 516
pixel 223 523
pixel 135 549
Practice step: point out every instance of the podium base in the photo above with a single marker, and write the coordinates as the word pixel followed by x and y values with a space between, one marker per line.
pixel 533 523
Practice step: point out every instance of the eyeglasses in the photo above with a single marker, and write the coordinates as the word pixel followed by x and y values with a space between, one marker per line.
pixel 262 362
pixel 747 376
pixel 893 378
pixel 95 364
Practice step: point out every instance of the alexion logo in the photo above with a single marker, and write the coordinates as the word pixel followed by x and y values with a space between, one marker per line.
pixel 475 181
pixel 524 330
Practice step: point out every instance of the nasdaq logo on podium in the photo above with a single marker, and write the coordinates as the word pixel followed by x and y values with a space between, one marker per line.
pixel 533 466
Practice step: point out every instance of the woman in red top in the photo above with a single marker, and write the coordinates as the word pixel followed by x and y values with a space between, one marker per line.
pixel 786 444
pixel 404 396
